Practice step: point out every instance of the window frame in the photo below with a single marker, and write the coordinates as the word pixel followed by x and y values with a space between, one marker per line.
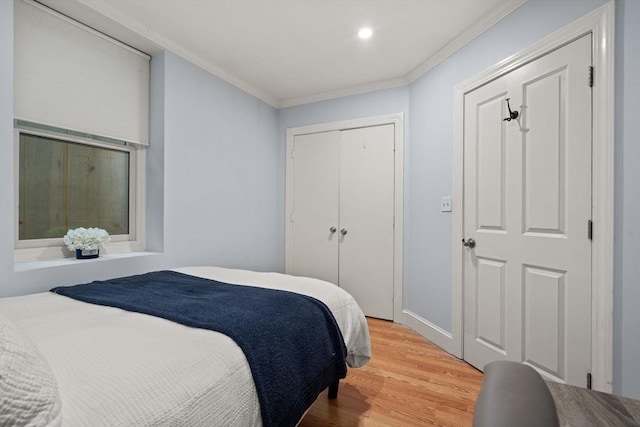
pixel 45 249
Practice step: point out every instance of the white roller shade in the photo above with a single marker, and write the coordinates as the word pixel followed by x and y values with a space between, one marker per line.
pixel 72 77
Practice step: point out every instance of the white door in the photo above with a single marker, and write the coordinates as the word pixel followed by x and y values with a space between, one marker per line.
pixel 343 213
pixel 366 216
pixel 316 195
pixel 527 206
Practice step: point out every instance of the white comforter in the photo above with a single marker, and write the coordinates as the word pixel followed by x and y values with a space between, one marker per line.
pixel 119 368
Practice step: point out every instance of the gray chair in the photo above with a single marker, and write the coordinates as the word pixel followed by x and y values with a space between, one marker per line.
pixel 513 394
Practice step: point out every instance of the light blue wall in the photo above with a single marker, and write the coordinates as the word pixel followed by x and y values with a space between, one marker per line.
pixel 6 139
pixel 212 178
pixel 221 155
pixel 155 156
pixel 626 291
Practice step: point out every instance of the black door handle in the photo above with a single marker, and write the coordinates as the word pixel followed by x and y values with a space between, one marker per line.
pixel 469 243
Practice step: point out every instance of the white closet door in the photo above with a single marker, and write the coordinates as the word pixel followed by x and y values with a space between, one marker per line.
pixel 366 217
pixel 316 189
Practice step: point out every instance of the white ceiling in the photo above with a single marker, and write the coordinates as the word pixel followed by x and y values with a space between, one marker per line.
pixel 288 52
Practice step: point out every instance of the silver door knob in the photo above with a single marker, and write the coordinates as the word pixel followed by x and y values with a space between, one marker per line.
pixel 333 229
pixel 343 231
pixel 470 243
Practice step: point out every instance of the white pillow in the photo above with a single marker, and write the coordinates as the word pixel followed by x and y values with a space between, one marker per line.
pixel 28 390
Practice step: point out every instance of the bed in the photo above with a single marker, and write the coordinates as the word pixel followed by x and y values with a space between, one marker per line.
pixel 77 363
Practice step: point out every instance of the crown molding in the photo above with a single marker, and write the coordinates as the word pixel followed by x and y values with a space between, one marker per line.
pixel 353 90
pixel 486 22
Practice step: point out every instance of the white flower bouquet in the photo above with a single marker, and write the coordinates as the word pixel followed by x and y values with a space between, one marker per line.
pixel 86 239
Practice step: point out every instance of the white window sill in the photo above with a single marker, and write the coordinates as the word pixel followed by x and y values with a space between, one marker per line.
pixel 33 265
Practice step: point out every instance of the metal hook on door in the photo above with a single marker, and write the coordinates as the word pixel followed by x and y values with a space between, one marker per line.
pixel 512 114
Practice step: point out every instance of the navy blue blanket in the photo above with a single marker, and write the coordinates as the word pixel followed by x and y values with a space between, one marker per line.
pixel 291 341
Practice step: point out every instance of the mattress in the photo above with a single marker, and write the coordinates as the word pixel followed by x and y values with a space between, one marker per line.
pixel 115 367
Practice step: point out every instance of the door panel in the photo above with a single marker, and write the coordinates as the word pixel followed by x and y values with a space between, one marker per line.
pixel 490 167
pixel 316 189
pixel 527 202
pixel 544 154
pixel 366 214
pixel 544 329
pixel 490 321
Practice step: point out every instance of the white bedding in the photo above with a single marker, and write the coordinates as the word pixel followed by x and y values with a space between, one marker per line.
pixel 119 368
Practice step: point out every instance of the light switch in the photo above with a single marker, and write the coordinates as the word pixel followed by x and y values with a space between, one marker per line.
pixel 445 204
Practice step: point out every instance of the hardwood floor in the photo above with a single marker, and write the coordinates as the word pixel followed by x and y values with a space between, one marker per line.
pixel 408 382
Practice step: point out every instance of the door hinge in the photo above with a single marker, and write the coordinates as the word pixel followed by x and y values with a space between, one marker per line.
pixel 292 156
pixel 590 76
pixel 292 218
pixel 589 380
pixel 590 230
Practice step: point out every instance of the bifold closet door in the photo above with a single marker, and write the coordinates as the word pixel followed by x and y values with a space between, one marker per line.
pixel 316 192
pixel 366 217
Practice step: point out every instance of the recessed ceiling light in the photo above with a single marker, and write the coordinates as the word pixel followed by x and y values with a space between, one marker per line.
pixel 365 33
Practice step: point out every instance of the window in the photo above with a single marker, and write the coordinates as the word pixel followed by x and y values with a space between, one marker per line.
pixel 67 180
pixel 66 185
pixel 81 109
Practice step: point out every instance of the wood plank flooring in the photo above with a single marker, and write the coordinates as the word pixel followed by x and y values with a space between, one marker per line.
pixel 408 382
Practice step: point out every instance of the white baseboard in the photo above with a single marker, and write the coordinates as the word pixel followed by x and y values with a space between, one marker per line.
pixel 433 333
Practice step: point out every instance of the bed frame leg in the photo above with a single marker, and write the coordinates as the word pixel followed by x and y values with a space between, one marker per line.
pixel 333 390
